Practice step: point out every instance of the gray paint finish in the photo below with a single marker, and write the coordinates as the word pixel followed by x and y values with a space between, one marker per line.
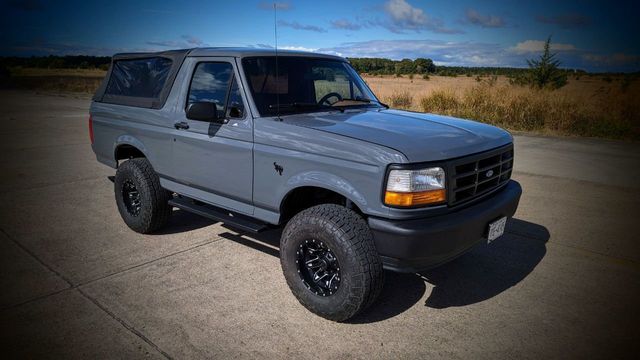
pixel 232 165
pixel 420 137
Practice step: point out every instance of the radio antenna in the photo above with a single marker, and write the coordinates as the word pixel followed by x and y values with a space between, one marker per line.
pixel 275 34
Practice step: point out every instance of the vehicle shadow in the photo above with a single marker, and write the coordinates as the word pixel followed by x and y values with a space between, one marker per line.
pixel 182 221
pixel 489 269
pixel 268 242
pixel 484 272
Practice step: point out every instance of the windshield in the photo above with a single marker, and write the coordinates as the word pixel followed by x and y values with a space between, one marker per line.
pixel 305 84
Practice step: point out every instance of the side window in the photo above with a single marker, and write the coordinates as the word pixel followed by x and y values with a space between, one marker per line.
pixel 210 83
pixel 141 78
pixel 235 106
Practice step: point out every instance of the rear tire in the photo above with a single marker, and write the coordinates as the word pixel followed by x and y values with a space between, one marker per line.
pixel 334 232
pixel 142 202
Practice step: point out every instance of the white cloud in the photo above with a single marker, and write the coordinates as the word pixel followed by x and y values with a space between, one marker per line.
pixel 442 52
pixel 530 46
pixel 192 40
pixel 187 41
pixel 345 24
pixel 488 21
pixel 403 16
pixel 297 48
pixel 403 13
pixel 298 26
pixel 454 53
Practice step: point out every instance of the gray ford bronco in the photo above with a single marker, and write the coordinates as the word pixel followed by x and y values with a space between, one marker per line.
pixel 298 141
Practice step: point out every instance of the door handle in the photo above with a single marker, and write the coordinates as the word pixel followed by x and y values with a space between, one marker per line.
pixel 182 125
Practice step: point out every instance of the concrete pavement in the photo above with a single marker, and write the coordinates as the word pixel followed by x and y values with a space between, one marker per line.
pixel 75 282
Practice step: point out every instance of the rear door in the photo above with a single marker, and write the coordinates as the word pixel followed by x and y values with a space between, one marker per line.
pixel 213 161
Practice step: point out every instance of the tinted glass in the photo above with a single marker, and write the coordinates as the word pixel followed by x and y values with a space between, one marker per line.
pixel 210 83
pixel 332 77
pixel 235 101
pixel 302 82
pixel 144 78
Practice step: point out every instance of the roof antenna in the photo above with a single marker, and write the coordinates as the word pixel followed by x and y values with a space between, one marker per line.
pixel 275 33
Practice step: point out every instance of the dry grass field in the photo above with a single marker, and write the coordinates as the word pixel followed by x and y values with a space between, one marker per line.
pixel 54 80
pixel 594 106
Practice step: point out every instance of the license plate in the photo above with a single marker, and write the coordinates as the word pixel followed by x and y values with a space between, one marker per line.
pixel 496 229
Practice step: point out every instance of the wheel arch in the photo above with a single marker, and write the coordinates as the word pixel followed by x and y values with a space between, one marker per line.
pixel 315 188
pixel 128 147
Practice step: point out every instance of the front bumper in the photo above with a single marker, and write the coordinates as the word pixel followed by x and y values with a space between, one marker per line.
pixel 415 245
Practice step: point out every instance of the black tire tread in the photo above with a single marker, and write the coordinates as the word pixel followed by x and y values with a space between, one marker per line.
pixel 358 238
pixel 160 209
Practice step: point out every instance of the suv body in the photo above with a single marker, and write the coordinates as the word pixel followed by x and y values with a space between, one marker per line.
pixel 257 165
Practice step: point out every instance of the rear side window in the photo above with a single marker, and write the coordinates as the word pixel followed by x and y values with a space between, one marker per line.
pixel 140 78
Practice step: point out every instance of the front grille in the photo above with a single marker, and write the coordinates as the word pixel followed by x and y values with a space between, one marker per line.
pixel 479 174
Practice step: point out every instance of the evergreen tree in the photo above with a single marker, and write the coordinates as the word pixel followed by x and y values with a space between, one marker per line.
pixel 545 72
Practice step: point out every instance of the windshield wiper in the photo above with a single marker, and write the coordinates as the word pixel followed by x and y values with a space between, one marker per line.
pixel 303 105
pixel 366 101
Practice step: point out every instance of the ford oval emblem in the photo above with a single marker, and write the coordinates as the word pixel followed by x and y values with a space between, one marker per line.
pixel 488 173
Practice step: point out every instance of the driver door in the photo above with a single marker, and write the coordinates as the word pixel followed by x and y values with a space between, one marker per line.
pixel 214 158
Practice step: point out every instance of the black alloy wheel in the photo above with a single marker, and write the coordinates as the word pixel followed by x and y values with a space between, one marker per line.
pixel 131 197
pixel 318 267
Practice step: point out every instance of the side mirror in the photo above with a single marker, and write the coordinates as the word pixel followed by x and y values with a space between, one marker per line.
pixel 203 111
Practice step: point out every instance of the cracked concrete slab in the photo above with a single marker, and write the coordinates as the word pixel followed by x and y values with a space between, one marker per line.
pixel 68 326
pixel 22 277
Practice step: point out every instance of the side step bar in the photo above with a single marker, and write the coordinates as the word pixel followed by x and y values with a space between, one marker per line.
pixel 238 221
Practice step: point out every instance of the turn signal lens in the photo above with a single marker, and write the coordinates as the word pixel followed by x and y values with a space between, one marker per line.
pixel 415 187
pixel 414 198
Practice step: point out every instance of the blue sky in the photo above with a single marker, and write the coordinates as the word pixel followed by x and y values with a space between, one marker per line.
pixel 592 35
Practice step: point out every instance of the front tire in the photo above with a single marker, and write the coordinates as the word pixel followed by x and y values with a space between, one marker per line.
pixel 142 202
pixel 330 261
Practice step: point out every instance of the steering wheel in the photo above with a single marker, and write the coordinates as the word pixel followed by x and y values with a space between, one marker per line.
pixel 328 96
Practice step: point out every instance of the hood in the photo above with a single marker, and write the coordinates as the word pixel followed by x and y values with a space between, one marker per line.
pixel 420 137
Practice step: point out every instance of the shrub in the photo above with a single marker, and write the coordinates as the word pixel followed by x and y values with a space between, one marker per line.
pixel 425 77
pixel 402 100
pixel 441 102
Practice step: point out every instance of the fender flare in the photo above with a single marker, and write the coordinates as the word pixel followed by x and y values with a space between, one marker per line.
pixel 131 141
pixel 324 180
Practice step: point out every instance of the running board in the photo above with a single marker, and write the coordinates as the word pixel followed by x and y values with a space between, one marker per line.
pixel 238 221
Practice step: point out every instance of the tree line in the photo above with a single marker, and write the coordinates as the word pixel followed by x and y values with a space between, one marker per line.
pixel 371 66
pixel 57 62
pixel 421 66
pixel 380 66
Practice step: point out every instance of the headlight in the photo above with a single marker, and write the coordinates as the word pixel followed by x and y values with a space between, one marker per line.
pixel 415 187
